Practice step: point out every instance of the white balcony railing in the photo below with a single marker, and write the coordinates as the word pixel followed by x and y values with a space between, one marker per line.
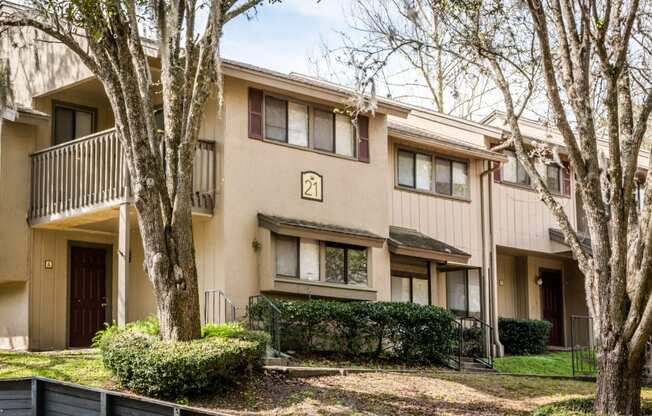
pixel 90 173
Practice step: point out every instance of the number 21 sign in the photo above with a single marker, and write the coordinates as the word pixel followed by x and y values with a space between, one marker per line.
pixel 312 186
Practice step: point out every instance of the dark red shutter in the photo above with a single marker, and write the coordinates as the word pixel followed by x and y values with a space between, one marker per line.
pixel 566 178
pixel 363 135
pixel 255 114
pixel 497 174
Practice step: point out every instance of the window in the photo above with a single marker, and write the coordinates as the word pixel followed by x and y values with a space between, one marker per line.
pixel 410 289
pixel 451 178
pixel 302 258
pixel 287 256
pixel 463 292
pixel 334 133
pixel 309 259
pixel 286 121
pixel 344 138
pixel 415 170
pixel 553 178
pixel 346 264
pixel 513 171
pixel 72 122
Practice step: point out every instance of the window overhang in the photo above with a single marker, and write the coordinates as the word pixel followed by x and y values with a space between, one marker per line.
pixel 320 231
pixel 409 242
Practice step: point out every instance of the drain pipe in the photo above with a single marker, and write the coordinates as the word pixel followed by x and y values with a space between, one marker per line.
pixel 492 280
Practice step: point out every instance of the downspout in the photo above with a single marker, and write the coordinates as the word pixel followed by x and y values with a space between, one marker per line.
pixel 492 280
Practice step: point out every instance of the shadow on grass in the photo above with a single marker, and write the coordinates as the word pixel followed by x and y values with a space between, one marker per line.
pixel 280 395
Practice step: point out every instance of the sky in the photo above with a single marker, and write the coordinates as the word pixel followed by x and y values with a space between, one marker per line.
pixel 284 36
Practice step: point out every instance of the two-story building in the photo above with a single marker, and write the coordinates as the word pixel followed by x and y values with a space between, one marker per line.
pixel 292 198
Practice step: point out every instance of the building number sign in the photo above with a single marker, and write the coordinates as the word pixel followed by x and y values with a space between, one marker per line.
pixel 312 186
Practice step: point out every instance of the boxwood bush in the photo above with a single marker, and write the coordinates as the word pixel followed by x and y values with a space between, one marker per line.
pixel 403 332
pixel 142 362
pixel 524 336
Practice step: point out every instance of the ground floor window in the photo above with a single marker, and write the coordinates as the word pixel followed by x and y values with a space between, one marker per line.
pixel 314 260
pixel 411 289
pixel 463 292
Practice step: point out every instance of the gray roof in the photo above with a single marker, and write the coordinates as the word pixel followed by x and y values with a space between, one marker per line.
pixel 317 226
pixel 404 128
pixel 558 236
pixel 412 238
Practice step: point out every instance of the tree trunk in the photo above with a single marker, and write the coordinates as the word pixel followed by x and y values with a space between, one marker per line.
pixel 170 265
pixel 618 383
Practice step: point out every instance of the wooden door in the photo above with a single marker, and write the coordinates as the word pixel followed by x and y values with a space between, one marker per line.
pixel 552 305
pixel 88 299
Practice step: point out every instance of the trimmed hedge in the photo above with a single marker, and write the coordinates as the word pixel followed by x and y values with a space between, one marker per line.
pixel 524 336
pixel 142 362
pixel 400 331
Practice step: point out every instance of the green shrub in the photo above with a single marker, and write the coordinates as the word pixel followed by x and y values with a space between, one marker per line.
pixel 524 336
pixel 147 326
pixel 142 362
pixel 399 331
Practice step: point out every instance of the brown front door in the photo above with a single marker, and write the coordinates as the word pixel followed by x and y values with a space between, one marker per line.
pixel 87 294
pixel 551 303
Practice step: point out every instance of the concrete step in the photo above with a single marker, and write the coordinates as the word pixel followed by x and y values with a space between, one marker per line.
pixel 277 361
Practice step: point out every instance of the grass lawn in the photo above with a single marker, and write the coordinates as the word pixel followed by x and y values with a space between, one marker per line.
pixel 549 364
pixel 82 367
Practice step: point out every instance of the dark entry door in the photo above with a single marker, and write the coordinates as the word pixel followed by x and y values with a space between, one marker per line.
pixel 551 303
pixel 87 294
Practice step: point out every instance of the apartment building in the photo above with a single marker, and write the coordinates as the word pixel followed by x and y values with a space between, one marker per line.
pixel 292 198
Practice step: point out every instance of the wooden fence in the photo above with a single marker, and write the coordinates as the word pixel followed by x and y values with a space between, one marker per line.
pixel 44 397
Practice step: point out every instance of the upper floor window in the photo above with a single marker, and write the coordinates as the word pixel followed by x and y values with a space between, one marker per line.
pixel 296 123
pixel 513 171
pixel 72 122
pixel 554 178
pixel 415 170
pixel 305 258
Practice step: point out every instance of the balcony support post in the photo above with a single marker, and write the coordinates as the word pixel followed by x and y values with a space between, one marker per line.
pixel 124 255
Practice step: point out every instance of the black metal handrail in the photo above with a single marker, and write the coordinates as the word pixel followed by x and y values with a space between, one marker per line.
pixel 454 358
pixel 217 303
pixel 476 345
pixel 583 346
pixel 265 315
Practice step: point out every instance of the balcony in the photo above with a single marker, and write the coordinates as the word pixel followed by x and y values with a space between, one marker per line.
pixel 89 175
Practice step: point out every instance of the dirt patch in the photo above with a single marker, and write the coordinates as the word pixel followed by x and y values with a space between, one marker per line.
pixel 392 394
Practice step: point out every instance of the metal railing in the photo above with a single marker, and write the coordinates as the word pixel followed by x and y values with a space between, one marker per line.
pixel 454 356
pixel 583 346
pixel 91 172
pixel 218 308
pixel 264 315
pixel 477 340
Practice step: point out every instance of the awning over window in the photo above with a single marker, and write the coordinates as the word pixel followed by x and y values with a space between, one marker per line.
pixel 557 236
pixel 317 230
pixel 409 242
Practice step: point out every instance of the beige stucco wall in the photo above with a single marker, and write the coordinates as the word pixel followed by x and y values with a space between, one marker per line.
pixel 14 301
pixel 265 177
pixel 16 142
pixel 38 64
